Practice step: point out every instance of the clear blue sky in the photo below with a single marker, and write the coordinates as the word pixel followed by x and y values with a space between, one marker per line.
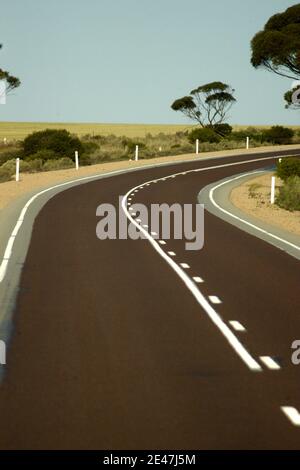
pixel 127 60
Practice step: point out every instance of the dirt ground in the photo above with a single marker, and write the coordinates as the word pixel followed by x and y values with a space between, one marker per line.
pixel 35 181
pixel 253 197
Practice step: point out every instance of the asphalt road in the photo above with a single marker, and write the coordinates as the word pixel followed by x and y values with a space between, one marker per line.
pixel 110 350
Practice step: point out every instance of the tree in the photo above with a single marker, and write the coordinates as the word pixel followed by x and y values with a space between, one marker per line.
pixel 277 47
pixel 10 81
pixel 208 104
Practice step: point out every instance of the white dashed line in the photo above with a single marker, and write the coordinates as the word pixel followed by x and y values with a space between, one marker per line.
pixel 214 299
pixel 162 242
pixel 237 325
pixel 292 414
pixel 198 279
pixel 145 226
pixel 138 220
pixel 153 233
pixel 171 253
pixel 269 362
pixel 184 265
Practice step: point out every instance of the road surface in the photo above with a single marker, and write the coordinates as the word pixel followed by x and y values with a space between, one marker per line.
pixel 111 350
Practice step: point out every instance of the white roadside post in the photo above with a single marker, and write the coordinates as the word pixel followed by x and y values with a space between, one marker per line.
pixel 136 153
pixel 76 160
pixel 273 190
pixel 197 146
pixel 247 143
pixel 17 169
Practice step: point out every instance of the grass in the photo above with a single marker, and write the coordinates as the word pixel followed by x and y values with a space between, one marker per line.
pixel 19 130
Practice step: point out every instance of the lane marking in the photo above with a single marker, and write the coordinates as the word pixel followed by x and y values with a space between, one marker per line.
pixel 211 193
pixel 184 265
pixel 162 242
pixel 4 263
pixel 154 233
pixel 171 253
pixel 292 414
pixel 269 362
pixel 214 299
pixel 237 325
pixel 238 347
pixel 145 226
pixel 198 279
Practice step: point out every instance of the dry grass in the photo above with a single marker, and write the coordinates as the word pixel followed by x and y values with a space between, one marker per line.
pixel 253 197
pixel 19 130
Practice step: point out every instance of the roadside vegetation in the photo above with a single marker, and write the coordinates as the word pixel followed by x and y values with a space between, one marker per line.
pixel 54 149
pixel 288 170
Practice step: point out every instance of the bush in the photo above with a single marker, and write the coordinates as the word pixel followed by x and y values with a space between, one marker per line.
pixel 205 134
pixel 278 135
pixel 288 167
pixel 58 164
pixel 43 155
pixel 59 141
pixel 5 174
pixel 289 194
pixel 224 130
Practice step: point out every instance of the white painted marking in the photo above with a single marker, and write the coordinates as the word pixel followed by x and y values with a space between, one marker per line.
pixel 292 414
pixel 237 325
pixel 153 233
pixel 171 253
pixel 138 220
pixel 212 314
pixel 198 279
pixel 145 226
pixel 184 265
pixel 269 362
pixel 162 242
pixel 128 204
pixel 214 299
pixel 242 220
pixel 4 263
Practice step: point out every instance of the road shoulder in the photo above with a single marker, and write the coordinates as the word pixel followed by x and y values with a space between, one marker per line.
pixel 216 198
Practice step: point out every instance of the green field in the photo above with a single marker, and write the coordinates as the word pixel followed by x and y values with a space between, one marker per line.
pixel 19 130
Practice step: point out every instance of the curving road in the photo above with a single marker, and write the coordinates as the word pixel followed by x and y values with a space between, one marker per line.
pixel 112 350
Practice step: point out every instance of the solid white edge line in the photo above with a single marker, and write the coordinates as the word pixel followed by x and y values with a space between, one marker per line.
pixel 4 263
pixel 269 362
pixel 292 414
pixel 211 193
pixel 213 315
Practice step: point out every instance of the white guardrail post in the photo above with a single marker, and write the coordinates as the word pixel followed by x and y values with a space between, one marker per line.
pixel 247 143
pixel 76 160
pixel 136 153
pixel 17 169
pixel 197 146
pixel 272 189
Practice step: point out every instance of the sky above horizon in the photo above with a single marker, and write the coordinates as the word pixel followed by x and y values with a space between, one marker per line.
pixel 126 61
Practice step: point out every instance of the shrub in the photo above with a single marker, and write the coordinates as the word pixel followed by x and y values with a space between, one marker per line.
pixel 224 130
pixel 289 194
pixel 5 174
pixel 205 134
pixel 59 141
pixel 288 167
pixel 58 164
pixel 43 155
pixel 278 135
